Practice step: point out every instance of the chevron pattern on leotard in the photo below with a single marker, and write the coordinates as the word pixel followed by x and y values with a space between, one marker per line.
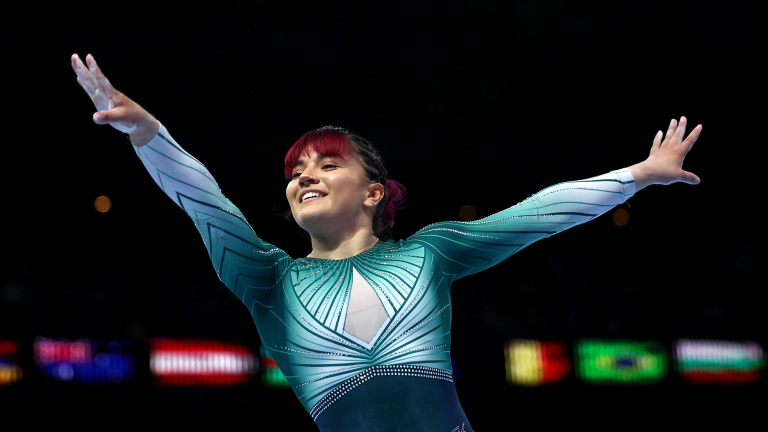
pixel 300 305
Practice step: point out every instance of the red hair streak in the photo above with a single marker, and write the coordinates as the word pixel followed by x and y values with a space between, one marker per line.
pixel 333 142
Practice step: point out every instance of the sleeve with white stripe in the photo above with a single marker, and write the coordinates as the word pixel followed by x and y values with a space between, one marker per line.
pixel 248 266
pixel 468 247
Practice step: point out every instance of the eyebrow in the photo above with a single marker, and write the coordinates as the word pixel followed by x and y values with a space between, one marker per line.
pixel 301 162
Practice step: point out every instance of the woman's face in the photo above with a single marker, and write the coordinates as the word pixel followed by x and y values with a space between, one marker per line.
pixel 329 193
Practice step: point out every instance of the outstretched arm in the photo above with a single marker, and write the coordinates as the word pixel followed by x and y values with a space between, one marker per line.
pixel 468 247
pixel 248 266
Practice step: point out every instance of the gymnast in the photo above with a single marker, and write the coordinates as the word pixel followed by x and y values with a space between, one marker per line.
pixel 361 327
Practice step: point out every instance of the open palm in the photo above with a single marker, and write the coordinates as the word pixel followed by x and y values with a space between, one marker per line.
pixel 666 159
pixel 114 108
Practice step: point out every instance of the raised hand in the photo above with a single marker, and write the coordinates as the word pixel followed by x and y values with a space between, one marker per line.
pixel 114 108
pixel 665 163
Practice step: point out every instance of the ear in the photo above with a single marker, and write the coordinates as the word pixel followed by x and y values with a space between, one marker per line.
pixel 375 194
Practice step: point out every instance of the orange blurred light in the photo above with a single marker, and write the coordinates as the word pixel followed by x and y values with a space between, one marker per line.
pixel 621 217
pixel 102 204
pixel 10 372
pixel 467 213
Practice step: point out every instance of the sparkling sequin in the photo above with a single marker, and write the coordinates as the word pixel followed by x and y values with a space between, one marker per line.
pixel 321 283
pixel 307 277
pixel 312 353
pixel 421 324
pixel 412 350
pixel 334 372
pixel 459 428
pixel 330 293
pixel 423 230
pixel 318 330
pixel 411 304
pixel 394 278
pixel 375 371
pixel 408 270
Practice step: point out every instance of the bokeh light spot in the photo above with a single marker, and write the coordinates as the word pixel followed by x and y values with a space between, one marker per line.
pixel 102 204
pixel 621 217
pixel 467 213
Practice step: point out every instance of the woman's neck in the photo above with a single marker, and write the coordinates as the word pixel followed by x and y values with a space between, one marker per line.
pixel 343 246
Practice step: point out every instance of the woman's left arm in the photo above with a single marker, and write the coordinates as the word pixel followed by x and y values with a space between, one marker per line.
pixel 468 247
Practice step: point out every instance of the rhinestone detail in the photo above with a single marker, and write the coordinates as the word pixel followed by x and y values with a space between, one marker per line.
pixel 423 230
pixel 459 428
pixel 306 277
pixel 410 306
pixel 373 371
pixel 422 324
pixel 319 331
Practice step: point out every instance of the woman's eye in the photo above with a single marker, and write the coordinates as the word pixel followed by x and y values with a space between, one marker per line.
pixel 326 166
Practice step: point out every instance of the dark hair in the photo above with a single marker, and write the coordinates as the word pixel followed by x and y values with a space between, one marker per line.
pixel 338 142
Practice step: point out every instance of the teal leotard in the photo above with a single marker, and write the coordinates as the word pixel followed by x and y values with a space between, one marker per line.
pixel 402 376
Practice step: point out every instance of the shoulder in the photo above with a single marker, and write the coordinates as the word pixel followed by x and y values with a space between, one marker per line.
pixel 394 248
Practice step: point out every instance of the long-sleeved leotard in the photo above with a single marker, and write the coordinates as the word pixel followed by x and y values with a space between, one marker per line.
pixel 401 376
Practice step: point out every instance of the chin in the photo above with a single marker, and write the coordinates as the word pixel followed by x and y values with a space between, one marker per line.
pixel 310 220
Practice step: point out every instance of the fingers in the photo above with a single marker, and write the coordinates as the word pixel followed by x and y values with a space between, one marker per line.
pixel 656 142
pixel 676 132
pixel 84 76
pixel 692 137
pixel 690 178
pixel 100 117
pixel 103 82
pixel 677 138
pixel 90 85
pixel 670 132
pixel 106 117
pixel 120 118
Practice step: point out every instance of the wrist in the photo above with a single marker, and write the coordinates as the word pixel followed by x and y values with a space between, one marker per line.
pixel 144 132
pixel 643 176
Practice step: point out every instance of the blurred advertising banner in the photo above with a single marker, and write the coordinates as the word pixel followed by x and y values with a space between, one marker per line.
pixel 718 362
pixel 533 363
pixel 620 362
pixel 10 371
pixel 84 360
pixel 271 375
pixel 196 362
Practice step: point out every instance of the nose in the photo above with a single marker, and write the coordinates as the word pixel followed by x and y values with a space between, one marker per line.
pixel 307 178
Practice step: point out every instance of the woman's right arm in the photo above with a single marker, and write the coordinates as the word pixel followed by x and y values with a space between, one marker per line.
pixel 249 266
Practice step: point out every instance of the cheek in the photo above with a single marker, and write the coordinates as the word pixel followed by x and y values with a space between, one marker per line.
pixel 290 191
pixel 354 199
pixel 346 191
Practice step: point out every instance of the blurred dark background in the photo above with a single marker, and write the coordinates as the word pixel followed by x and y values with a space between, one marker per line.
pixel 481 103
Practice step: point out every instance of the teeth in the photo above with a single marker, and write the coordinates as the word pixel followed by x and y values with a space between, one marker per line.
pixel 310 195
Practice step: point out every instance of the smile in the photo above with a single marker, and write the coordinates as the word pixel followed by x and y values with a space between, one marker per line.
pixel 311 196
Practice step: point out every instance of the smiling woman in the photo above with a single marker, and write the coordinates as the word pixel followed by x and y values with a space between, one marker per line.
pixel 333 155
pixel 361 328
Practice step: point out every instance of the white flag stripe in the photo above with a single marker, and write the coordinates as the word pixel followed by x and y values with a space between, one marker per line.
pixel 203 363
pixel 719 350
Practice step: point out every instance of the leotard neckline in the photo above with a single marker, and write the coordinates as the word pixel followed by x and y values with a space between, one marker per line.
pixel 363 254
